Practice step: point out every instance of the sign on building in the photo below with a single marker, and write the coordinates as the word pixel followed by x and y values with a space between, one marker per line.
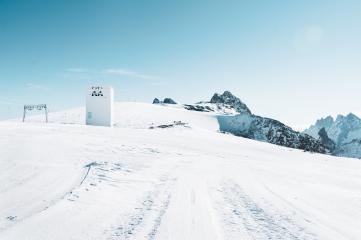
pixel 99 106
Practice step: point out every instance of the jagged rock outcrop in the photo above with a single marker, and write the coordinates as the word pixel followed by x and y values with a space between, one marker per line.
pixel 344 131
pixel 228 99
pixel 326 141
pixel 349 149
pixel 210 107
pixel 156 101
pixel 341 130
pixel 340 136
pixel 269 130
pixel 198 108
pixel 166 101
pixel 169 101
pixel 235 117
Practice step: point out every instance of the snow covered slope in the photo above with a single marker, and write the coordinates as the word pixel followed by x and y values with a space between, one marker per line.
pixel 138 115
pixel 65 180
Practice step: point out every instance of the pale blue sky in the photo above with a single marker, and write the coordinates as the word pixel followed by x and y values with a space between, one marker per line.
pixel 290 60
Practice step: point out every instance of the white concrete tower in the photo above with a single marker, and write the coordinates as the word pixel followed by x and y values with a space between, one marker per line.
pixel 100 106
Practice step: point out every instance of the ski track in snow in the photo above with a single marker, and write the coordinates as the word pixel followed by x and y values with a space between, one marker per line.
pixel 159 218
pixel 146 219
pixel 244 217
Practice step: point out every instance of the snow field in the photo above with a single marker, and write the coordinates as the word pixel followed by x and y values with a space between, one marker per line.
pixel 65 180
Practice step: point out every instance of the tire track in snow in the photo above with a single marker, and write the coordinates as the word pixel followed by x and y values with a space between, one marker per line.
pixel 243 217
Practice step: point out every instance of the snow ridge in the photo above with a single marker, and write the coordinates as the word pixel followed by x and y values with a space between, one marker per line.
pixel 228 99
pixel 235 117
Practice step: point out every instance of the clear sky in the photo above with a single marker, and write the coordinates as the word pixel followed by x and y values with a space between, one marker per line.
pixel 294 61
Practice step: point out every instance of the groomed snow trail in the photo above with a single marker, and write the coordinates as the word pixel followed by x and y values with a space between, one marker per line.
pixel 70 181
pixel 245 217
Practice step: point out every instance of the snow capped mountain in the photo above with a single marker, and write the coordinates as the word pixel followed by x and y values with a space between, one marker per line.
pixel 235 117
pixel 350 149
pixel 326 141
pixel 269 130
pixel 225 103
pixel 341 130
pixel 227 99
pixel 344 131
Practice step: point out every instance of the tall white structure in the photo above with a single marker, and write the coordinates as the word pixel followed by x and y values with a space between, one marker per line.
pixel 99 106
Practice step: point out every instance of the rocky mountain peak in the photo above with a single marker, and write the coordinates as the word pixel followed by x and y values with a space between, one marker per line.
pixel 349 122
pixel 325 140
pixel 342 131
pixel 169 101
pixel 166 101
pixel 156 101
pixel 349 117
pixel 325 122
pixel 227 98
pixel 353 118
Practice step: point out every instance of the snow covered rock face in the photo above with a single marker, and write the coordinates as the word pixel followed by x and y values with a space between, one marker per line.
pixel 344 131
pixel 235 117
pixel 228 99
pixel 350 149
pixel 326 141
pixel 269 130
pixel 211 107
pixel 341 130
pixel 225 103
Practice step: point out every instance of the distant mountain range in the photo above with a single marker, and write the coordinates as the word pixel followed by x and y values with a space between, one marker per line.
pixel 340 136
pixel 344 132
pixel 236 118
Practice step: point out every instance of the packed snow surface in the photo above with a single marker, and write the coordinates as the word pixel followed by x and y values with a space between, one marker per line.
pixel 185 180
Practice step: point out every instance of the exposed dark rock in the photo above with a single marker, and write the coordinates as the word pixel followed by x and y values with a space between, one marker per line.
pixel 269 130
pixel 278 133
pixel 174 124
pixel 227 98
pixel 156 101
pixel 198 108
pixel 326 141
pixel 166 101
pixel 339 130
pixel 349 149
pixel 344 131
pixel 264 129
pixel 259 128
pixel 169 101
